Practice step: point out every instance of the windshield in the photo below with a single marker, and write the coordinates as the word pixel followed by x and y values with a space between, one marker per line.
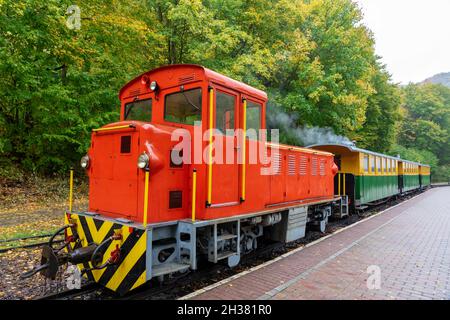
pixel 140 110
pixel 184 107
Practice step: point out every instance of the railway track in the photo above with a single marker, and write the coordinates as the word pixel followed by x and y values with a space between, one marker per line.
pixel 28 245
pixel 207 274
pixel 26 238
pixel 72 293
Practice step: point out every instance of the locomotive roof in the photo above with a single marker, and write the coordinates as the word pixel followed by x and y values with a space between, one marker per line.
pixel 209 74
pixel 353 148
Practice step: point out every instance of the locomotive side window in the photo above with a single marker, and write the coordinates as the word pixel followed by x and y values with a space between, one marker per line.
pixel 225 106
pixel 140 110
pixel 253 118
pixel 184 107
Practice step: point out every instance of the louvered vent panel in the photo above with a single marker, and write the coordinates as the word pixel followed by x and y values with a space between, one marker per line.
pixel 303 165
pixel 276 163
pixel 322 167
pixel 314 166
pixel 291 165
pixel 187 78
pixel 135 92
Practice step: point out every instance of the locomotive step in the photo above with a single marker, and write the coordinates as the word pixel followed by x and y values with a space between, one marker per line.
pixel 226 237
pixel 168 268
pixel 225 254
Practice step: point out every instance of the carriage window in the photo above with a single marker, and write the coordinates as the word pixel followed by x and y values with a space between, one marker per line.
pixel 366 163
pixel 378 164
pixel 140 110
pixel 372 164
pixel 253 118
pixel 225 106
pixel 385 164
pixel 184 107
pixel 389 165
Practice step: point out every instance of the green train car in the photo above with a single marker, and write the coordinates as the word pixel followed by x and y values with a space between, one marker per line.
pixel 369 178
pixel 425 176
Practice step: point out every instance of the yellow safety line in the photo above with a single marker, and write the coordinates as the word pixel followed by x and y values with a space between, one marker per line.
pixel 244 147
pixel 211 123
pixel 71 191
pixel 128 263
pixel 147 174
pixel 112 246
pixel 194 193
pixel 98 235
pixel 112 128
pixel 140 280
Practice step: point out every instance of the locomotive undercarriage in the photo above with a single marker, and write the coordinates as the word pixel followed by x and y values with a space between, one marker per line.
pixel 127 255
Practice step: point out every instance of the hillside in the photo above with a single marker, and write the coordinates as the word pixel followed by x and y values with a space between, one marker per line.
pixel 441 78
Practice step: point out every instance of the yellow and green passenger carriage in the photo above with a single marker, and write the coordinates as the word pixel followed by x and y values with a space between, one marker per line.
pixel 368 177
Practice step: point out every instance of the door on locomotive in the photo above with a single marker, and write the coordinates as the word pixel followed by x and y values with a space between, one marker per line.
pixel 225 171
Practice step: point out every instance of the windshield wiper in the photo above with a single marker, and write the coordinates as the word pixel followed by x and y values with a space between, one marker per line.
pixel 189 101
pixel 128 111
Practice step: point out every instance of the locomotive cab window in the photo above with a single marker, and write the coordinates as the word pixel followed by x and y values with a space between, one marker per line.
pixel 184 107
pixel 225 106
pixel 140 110
pixel 253 119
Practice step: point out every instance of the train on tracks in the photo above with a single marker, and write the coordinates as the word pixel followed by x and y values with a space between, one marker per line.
pixel 162 197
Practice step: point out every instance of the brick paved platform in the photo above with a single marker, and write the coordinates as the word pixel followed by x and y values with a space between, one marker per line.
pixel 409 244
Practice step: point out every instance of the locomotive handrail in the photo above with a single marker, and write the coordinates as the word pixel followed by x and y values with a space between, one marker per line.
pixel 126 126
pixel 144 220
pixel 194 193
pixel 244 147
pixel 211 124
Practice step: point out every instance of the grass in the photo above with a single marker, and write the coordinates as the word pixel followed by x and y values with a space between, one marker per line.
pixel 36 207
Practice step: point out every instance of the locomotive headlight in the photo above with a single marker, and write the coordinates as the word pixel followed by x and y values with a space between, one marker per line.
pixel 84 162
pixel 153 85
pixel 143 160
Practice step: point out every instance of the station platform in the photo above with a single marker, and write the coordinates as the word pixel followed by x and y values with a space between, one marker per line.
pixel 400 253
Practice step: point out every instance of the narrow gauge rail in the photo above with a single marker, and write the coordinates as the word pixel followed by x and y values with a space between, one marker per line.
pixel 26 238
pixel 28 246
pixel 71 294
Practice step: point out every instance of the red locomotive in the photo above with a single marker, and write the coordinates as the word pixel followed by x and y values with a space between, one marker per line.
pixel 160 199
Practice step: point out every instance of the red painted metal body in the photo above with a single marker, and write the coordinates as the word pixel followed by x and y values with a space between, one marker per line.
pixel 117 184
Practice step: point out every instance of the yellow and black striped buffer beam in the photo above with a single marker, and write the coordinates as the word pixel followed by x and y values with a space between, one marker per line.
pixel 130 271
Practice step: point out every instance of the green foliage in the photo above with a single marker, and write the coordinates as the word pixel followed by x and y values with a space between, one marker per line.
pixel 315 59
pixel 426 124
pixel 58 83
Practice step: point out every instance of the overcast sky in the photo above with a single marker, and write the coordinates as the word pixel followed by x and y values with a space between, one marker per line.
pixel 412 36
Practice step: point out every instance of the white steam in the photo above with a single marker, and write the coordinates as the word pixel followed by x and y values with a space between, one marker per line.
pixel 301 135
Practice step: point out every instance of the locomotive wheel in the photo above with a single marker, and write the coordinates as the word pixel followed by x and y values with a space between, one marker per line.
pixel 323 225
pixel 233 260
